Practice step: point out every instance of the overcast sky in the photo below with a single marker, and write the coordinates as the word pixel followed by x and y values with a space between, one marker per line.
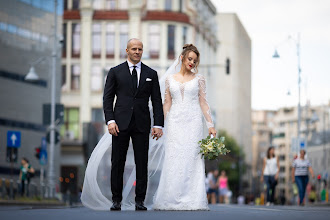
pixel 269 23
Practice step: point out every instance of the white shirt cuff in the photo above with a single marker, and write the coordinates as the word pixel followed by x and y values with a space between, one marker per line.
pixel 111 121
pixel 160 127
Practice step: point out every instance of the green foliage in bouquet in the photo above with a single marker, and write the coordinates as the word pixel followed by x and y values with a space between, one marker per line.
pixel 211 148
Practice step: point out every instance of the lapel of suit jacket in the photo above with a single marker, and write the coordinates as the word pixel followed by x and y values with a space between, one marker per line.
pixel 143 77
pixel 128 75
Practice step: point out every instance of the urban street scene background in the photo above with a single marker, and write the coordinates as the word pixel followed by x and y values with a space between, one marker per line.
pixel 268 85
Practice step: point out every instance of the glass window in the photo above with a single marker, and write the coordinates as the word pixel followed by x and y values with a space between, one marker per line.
pixel 64 83
pixel 110 40
pixel 24 33
pixel 154 40
pixel 170 41
pixel 11 28
pixel 110 4
pixel 97 115
pixel 70 128
pixel 3 26
pixel 97 4
pixel 75 77
pixel 75 4
pixel 75 40
pixel 96 40
pixel 123 39
pixel 65 4
pixel 152 4
pixel 184 35
pixel 96 78
pixel 64 40
pixel 168 5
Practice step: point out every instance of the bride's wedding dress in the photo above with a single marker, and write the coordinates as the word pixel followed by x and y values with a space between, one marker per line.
pixel 182 181
pixel 176 174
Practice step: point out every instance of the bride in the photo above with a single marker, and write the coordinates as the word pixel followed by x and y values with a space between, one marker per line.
pixel 176 170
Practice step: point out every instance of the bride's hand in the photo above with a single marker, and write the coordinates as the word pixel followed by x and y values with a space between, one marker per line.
pixel 213 132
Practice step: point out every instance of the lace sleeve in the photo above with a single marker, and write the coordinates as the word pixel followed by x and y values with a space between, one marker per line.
pixel 168 99
pixel 203 102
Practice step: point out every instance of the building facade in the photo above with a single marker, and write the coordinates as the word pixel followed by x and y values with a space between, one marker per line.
pixel 26 35
pixel 95 37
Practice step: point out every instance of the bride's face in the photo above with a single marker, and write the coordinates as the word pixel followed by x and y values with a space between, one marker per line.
pixel 190 61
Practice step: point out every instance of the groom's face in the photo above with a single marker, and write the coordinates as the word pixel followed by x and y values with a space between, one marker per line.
pixel 134 51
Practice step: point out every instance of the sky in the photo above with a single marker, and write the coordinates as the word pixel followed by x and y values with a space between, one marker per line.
pixel 275 24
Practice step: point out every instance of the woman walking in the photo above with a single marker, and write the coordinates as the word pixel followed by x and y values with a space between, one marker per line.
pixel 223 187
pixel 300 168
pixel 269 174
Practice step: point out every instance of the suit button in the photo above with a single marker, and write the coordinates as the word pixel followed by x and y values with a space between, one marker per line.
pixel 132 108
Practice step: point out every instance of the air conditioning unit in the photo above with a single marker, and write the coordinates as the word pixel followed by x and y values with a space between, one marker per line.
pixel 69 135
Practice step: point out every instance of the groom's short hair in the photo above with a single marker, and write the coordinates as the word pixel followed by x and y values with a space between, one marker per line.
pixel 132 39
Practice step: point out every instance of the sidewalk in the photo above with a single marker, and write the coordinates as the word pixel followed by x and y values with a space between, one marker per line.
pixel 33 203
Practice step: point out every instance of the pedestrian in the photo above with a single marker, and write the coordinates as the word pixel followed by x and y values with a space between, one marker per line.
pixel 26 172
pixel 213 191
pixel 223 186
pixel 269 174
pixel 299 174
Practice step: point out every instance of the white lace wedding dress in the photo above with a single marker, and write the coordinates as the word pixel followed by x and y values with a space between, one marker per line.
pixel 182 180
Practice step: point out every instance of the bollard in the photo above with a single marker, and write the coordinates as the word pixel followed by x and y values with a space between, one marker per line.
pixel 18 185
pixel 3 188
pixel 42 191
pixel 11 189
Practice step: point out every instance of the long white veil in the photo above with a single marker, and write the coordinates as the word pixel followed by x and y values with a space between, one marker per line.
pixel 96 193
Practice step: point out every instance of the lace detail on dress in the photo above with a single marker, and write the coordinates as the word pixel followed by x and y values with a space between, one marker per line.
pixel 203 101
pixel 168 99
pixel 182 90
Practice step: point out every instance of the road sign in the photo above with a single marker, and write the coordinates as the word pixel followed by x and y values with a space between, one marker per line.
pixel 43 152
pixel 13 139
pixel 57 137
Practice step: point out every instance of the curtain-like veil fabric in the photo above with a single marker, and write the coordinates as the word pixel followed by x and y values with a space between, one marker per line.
pixel 96 193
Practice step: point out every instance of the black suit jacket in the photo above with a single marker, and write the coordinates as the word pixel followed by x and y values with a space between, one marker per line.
pixel 119 84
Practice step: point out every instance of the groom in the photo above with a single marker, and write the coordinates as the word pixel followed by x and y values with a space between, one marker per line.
pixel 133 83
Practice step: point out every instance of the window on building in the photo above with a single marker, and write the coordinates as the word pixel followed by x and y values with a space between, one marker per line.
pixel 75 4
pixel 75 77
pixel 282 169
pixel 64 82
pixel 184 35
pixel 282 157
pixel 97 115
pixel 168 5
pixel 154 40
pixel 110 40
pixel 152 4
pixel 70 128
pixel 281 180
pixel 96 78
pixel 97 4
pixel 111 4
pixel 282 124
pixel 123 4
pixel 170 41
pixel 64 40
pixel 96 40
pixel 75 40
pixel 123 40
pixel 65 5
pixel 227 66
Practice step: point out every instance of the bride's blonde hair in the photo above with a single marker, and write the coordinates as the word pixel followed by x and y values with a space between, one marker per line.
pixel 188 48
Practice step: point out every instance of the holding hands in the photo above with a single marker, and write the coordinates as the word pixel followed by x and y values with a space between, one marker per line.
pixel 113 129
pixel 156 133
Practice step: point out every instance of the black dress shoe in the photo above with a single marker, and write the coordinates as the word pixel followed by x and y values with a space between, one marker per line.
pixel 116 206
pixel 139 206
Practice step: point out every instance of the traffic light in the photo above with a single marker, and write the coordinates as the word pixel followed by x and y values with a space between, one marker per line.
pixel 37 152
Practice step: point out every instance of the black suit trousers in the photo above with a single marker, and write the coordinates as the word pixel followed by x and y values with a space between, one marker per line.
pixel 120 146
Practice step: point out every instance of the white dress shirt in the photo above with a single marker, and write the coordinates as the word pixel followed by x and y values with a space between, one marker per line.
pixel 138 70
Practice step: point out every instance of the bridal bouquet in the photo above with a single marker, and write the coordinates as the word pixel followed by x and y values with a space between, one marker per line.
pixel 212 147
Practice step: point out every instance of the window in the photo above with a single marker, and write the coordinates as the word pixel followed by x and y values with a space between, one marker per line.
pixel 282 124
pixel 97 4
pixel 110 41
pixel 64 83
pixel 70 128
pixel 97 115
pixel 281 180
pixel 152 4
pixel 75 40
pixel 75 77
pixel 181 2
pixel 96 41
pixel 64 40
pixel 227 66
pixel 184 35
pixel 168 5
pixel 123 40
pixel 96 78
pixel 75 4
pixel 170 41
pixel 65 4
pixel 154 40
pixel 282 157
pixel 282 169
pixel 111 4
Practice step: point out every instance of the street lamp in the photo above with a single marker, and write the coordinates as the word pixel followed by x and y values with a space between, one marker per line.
pixel 276 55
pixel 32 76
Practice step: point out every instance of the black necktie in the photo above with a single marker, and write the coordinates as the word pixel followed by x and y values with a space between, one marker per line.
pixel 134 79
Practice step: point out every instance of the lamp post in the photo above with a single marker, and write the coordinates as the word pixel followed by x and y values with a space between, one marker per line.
pixel 276 55
pixel 32 76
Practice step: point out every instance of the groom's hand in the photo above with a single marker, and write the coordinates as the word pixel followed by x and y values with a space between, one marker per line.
pixel 113 129
pixel 156 133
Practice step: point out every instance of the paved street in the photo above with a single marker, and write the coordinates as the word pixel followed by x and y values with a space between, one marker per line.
pixel 216 212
